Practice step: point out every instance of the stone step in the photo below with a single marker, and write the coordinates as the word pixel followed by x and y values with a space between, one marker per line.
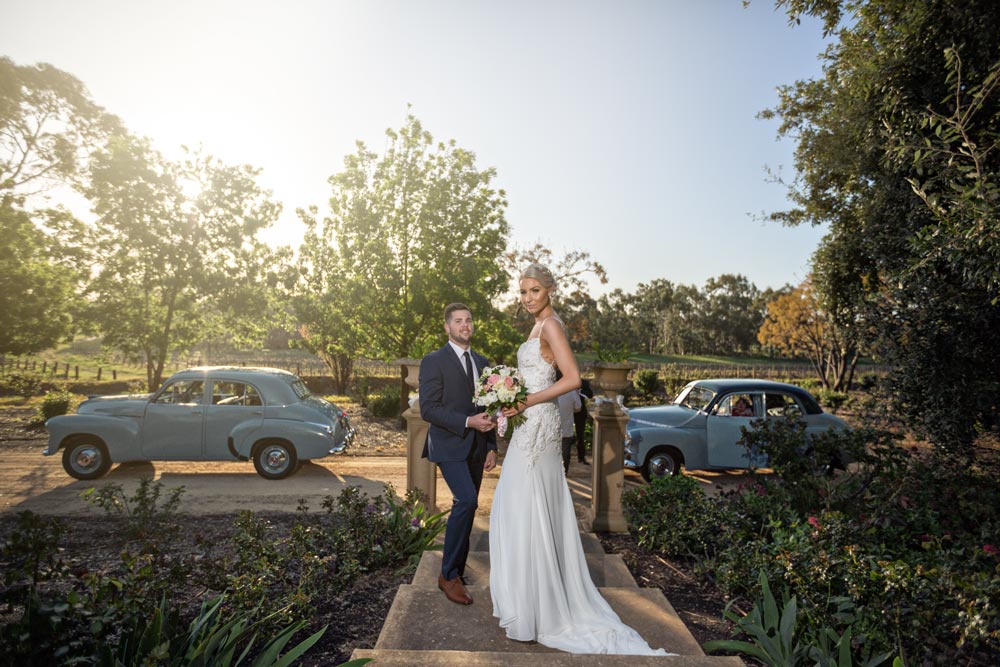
pixel 396 658
pixel 479 540
pixel 605 570
pixel 423 619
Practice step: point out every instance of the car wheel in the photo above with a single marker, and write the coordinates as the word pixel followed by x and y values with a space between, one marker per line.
pixel 86 458
pixel 661 463
pixel 275 459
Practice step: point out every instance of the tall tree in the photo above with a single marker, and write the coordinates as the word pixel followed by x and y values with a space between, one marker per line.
pixel 730 317
pixel 407 232
pixel 36 286
pixel 910 259
pixel 48 125
pixel 797 326
pixel 170 243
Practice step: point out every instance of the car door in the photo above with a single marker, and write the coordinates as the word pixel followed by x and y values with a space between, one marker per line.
pixel 233 404
pixel 732 412
pixel 173 425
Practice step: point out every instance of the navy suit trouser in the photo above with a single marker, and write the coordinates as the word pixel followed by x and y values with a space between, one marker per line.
pixel 464 479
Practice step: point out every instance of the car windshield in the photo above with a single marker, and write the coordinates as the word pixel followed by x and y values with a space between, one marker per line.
pixel 695 397
pixel 300 389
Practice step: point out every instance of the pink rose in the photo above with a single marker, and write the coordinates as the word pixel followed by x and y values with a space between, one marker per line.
pixel 508 382
pixel 814 522
pixel 494 379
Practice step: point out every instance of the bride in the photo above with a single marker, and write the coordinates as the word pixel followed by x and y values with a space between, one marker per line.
pixel 539 581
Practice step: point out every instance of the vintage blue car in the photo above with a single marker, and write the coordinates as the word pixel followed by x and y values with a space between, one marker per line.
pixel 701 428
pixel 204 414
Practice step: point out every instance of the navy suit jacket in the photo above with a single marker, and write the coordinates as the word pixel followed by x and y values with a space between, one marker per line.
pixel 446 402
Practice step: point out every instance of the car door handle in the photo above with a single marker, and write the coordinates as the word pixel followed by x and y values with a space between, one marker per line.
pixel 196 412
pixel 257 412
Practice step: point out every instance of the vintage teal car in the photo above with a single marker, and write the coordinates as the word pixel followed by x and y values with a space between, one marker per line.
pixel 700 430
pixel 266 415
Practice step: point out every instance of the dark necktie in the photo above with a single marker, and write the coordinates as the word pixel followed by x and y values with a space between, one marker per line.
pixel 469 371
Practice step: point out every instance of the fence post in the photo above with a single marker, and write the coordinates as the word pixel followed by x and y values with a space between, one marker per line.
pixel 98 373
pixel 76 372
pixel 66 374
pixel 114 374
pixel 44 366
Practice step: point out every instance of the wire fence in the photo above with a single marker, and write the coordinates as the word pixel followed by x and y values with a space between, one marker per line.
pixel 124 370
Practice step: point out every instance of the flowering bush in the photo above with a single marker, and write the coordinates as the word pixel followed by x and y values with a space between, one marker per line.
pixel 901 553
pixel 501 387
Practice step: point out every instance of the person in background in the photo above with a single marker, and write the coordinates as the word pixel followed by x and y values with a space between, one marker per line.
pixel 580 420
pixel 569 404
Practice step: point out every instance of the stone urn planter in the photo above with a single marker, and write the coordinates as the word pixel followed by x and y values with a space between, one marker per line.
pixel 611 377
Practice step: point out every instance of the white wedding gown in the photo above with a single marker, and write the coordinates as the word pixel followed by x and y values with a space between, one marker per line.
pixel 539 581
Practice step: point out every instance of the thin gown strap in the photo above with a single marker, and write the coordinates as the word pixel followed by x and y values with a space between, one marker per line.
pixel 541 328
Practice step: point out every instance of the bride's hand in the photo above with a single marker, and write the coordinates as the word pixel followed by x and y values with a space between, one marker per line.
pixel 510 412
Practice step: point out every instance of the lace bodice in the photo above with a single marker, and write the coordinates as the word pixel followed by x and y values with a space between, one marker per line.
pixel 538 373
pixel 540 434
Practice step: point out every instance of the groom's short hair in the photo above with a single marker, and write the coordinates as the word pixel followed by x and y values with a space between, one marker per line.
pixel 452 307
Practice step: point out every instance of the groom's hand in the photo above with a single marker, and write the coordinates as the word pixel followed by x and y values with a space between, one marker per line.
pixel 481 422
pixel 491 461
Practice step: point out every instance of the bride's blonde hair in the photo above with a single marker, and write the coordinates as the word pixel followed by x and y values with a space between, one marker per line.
pixel 540 273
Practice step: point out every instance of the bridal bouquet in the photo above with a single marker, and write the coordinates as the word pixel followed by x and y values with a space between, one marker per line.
pixel 501 387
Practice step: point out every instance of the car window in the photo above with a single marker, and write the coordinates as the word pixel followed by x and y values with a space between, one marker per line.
pixel 300 389
pixel 736 405
pixel 695 397
pixel 182 392
pixel 225 392
pixel 782 405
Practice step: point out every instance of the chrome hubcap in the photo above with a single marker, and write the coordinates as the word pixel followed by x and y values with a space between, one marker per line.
pixel 275 459
pixel 86 458
pixel 661 465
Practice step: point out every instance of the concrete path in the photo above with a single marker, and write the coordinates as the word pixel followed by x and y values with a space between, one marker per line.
pixel 424 628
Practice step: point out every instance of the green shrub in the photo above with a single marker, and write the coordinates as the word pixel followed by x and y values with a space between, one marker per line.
pixel 647 381
pixel 869 381
pixel 672 515
pixel 832 400
pixel 145 516
pixel 809 384
pixel 779 639
pixel 22 384
pixel 900 554
pixel 54 403
pixel 386 402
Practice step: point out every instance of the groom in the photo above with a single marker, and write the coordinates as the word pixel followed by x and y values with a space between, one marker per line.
pixel 460 440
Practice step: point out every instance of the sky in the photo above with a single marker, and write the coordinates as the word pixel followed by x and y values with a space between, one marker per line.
pixel 625 128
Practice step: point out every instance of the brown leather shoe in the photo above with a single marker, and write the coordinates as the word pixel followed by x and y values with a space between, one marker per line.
pixel 454 590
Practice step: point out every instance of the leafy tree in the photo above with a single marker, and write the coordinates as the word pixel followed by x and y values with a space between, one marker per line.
pixel 611 329
pixel 175 252
pixel 895 154
pixel 730 317
pixel 48 124
pixel 407 233
pixel 651 303
pixel 797 326
pixel 36 290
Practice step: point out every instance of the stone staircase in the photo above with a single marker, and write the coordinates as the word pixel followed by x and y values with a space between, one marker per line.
pixel 424 628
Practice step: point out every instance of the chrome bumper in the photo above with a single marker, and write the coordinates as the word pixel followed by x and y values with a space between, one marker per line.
pixel 344 444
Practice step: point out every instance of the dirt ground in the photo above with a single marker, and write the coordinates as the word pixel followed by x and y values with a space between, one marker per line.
pixel 29 480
